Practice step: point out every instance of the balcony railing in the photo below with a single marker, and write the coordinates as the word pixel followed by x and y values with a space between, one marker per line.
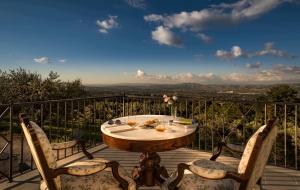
pixel 65 119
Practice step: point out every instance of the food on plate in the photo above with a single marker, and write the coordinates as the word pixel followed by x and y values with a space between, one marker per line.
pixel 151 121
pixel 131 123
pixel 160 128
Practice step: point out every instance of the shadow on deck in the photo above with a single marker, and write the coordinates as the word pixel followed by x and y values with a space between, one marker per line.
pixel 274 178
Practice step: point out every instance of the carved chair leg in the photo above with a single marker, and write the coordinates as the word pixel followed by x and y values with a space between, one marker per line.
pixel 85 152
pixel 115 171
pixel 180 169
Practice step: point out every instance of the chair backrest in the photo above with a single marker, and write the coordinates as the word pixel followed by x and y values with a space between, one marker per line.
pixel 41 151
pixel 256 154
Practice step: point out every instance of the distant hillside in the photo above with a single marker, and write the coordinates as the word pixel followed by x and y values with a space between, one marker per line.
pixel 185 89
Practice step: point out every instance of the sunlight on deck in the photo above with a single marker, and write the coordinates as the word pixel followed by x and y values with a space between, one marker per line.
pixel 275 178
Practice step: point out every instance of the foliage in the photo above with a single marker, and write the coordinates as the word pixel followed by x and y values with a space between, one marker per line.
pixel 24 86
pixel 282 92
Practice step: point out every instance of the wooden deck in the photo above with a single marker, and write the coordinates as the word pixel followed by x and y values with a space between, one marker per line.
pixel 274 178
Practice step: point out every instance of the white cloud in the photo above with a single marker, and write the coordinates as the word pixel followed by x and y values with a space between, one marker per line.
pixel 235 52
pixel 278 73
pixel 223 14
pixel 268 49
pixel 166 37
pixel 256 65
pixel 42 60
pixel 108 24
pixel 140 73
pixel 62 60
pixel 205 38
pixel 288 69
pixel 153 17
pixel 140 4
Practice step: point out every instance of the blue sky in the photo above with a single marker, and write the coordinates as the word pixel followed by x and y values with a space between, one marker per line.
pixel 139 41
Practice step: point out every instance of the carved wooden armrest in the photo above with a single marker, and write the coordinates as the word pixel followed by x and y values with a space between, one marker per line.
pixel 230 147
pixel 70 144
pixel 207 173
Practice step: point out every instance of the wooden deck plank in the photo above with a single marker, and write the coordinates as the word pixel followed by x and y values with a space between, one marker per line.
pixel 274 178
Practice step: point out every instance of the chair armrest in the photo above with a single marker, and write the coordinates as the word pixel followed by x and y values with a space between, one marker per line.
pixel 230 147
pixel 70 144
pixel 63 145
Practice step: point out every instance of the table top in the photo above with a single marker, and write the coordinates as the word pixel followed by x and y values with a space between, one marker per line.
pixel 173 131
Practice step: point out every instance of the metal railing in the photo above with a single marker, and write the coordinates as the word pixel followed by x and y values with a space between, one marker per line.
pixel 65 119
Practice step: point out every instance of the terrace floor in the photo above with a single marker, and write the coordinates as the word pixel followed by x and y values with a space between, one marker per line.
pixel 274 178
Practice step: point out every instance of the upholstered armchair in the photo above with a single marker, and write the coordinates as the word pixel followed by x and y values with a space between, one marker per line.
pixel 93 174
pixel 211 175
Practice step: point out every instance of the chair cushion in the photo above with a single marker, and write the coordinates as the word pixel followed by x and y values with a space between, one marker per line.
pixel 210 169
pixel 87 167
pixel 102 180
pixel 248 150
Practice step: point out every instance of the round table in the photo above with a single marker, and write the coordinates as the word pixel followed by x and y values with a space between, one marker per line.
pixel 149 142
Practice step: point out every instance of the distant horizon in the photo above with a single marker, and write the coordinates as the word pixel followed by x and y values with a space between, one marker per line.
pixel 161 84
pixel 138 41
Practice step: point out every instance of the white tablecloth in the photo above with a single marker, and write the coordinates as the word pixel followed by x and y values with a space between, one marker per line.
pixel 144 134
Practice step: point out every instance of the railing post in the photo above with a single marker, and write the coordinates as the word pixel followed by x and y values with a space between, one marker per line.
pixel 205 128
pixel 275 143
pixel 65 127
pixel 212 127
pixel 199 131
pixel 284 135
pixel 265 114
pixel 295 136
pixel 11 145
pixel 50 122
pixel 186 108
pixel 123 105
pixel 72 123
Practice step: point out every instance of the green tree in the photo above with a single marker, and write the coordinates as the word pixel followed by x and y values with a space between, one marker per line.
pixel 282 92
pixel 21 85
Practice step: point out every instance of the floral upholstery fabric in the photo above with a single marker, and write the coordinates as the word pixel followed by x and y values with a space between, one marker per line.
pixel 248 150
pixel 87 167
pixel 209 169
pixel 46 148
pixel 262 158
pixel 63 145
pixel 102 180
pixel 45 145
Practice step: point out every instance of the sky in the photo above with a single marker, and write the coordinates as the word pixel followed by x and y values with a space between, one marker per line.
pixel 167 41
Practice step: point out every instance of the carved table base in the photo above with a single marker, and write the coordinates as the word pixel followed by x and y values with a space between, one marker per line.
pixel 149 173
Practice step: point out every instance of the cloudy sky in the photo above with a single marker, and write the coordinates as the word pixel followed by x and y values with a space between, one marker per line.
pixel 139 41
